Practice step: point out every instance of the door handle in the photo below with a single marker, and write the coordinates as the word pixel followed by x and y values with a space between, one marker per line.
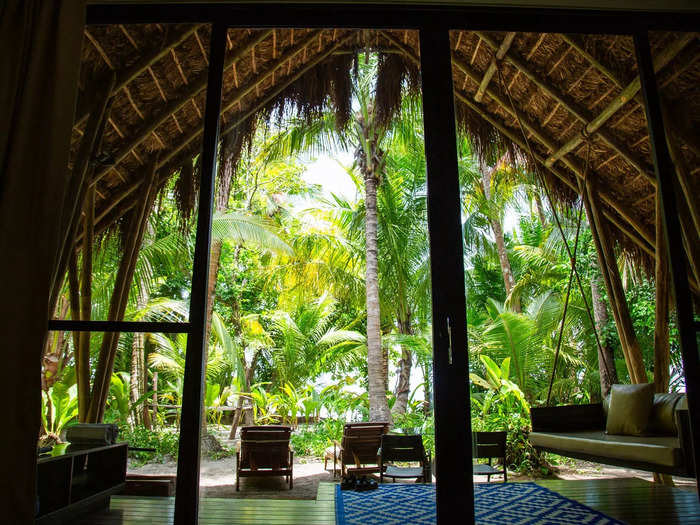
pixel 449 341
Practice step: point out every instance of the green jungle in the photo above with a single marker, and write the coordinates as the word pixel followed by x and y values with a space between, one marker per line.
pixel 320 303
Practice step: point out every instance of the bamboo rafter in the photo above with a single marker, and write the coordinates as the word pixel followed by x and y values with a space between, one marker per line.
pixel 542 139
pixel 580 113
pixel 661 60
pixel 190 91
pixel 491 70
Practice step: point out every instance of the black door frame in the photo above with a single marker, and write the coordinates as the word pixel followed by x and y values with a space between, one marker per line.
pixel 449 320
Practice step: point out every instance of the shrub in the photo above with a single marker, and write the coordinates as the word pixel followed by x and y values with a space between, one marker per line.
pixel 312 440
pixel 164 441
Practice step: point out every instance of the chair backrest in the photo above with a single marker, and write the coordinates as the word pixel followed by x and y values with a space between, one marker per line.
pixel 361 442
pixel 402 448
pixel 265 446
pixel 489 444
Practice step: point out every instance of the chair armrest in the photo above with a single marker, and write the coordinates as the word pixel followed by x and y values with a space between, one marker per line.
pixel 568 418
pixel 683 424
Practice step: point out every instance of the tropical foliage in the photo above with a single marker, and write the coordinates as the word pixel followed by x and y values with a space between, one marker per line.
pixel 296 337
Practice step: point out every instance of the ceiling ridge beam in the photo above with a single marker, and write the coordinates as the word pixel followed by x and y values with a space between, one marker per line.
pixel 628 93
pixel 491 70
pixel 581 114
pixel 177 103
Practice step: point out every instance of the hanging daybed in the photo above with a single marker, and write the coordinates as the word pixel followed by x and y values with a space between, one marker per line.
pixel 578 431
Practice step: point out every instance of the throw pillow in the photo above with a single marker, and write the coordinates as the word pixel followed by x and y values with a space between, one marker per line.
pixel 630 408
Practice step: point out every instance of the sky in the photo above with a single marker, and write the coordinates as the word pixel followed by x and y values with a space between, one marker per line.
pixel 329 172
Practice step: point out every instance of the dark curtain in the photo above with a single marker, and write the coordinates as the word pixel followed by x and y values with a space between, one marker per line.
pixel 40 44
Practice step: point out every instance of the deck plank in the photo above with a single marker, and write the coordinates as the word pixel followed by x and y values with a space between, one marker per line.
pixel 630 500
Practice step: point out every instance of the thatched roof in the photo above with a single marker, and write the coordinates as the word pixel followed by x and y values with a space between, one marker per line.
pixel 577 97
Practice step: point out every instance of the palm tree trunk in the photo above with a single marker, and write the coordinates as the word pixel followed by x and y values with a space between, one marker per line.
pixel 138 382
pixel 608 374
pixel 497 228
pixel 403 385
pixel 248 377
pixel 214 261
pixel 540 209
pixel 378 405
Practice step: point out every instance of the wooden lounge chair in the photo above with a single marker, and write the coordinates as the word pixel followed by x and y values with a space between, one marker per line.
pixel 358 451
pixel 265 451
pixel 489 445
pixel 404 449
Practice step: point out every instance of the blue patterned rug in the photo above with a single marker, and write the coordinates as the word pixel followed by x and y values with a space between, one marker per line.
pixel 496 504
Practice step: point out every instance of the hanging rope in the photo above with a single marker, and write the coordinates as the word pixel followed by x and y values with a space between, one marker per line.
pixel 572 255
pixel 568 286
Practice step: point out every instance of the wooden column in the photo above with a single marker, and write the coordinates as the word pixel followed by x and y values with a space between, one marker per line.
pixel 453 439
pixel 82 351
pixel 81 175
pixel 187 489
pixel 662 347
pixel 663 167
pixel 120 296
pixel 613 285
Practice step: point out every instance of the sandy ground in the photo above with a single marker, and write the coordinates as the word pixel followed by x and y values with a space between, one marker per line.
pixel 218 479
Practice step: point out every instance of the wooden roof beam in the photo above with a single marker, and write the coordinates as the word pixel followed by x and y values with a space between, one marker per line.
pixel 491 70
pixel 125 76
pixel 662 59
pixel 183 98
pixel 580 113
pixel 468 71
pixel 246 90
pixel 685 135
pixel 604 193
pixel 122 203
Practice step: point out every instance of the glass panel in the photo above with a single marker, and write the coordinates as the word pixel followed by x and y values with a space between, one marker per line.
pixel 289 329
pixel 543 119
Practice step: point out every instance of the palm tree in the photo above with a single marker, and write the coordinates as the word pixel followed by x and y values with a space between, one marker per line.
pixel 487 192
pixel 367 134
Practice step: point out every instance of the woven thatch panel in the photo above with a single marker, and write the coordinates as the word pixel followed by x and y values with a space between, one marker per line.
pixel 568 104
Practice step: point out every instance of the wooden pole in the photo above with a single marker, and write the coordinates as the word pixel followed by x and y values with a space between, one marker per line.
pixel 119 299
pixel 82 357
pixel 616 293
pixel 663 166
pixel 453 438
pixel 75 195
pixel 74 300
pixel 662 347
pixel 688 185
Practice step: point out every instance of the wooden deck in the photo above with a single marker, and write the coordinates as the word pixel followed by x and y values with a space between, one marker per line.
pixel 630 500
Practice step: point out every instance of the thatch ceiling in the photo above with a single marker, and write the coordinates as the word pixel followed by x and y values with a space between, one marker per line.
pixel 577 97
